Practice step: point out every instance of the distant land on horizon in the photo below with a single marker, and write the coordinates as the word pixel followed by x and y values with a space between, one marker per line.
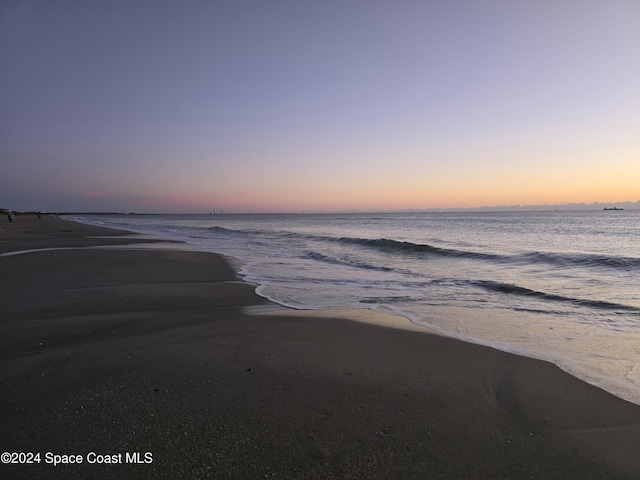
pixel 628 205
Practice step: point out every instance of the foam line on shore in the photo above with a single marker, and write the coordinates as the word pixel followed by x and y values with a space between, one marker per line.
pixel 363 315
pixel 132 246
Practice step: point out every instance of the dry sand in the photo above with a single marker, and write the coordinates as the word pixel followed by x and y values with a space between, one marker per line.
pixel 122 351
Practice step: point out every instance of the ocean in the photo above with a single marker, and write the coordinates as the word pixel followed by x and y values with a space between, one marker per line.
pixel 562 286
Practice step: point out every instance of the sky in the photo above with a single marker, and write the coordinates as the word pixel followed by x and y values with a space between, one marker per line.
pixel 268 106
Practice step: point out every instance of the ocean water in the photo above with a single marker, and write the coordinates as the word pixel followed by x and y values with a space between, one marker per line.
pixel 562 286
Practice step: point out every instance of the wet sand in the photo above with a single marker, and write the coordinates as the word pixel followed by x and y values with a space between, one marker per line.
pixel 149 354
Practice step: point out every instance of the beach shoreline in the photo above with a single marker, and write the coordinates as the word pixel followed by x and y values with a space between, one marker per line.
pixel 156 351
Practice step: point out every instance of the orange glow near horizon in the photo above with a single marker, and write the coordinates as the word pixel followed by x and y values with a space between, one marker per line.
pixel 577 179
pixel 331 200
pixel 560 183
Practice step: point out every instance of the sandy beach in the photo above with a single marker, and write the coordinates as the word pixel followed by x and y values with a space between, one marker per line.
pixel 145 363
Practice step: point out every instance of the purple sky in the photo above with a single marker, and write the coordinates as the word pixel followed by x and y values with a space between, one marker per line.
pixel 186 106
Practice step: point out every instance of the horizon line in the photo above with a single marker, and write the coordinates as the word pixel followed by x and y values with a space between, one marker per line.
pixel 571 206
